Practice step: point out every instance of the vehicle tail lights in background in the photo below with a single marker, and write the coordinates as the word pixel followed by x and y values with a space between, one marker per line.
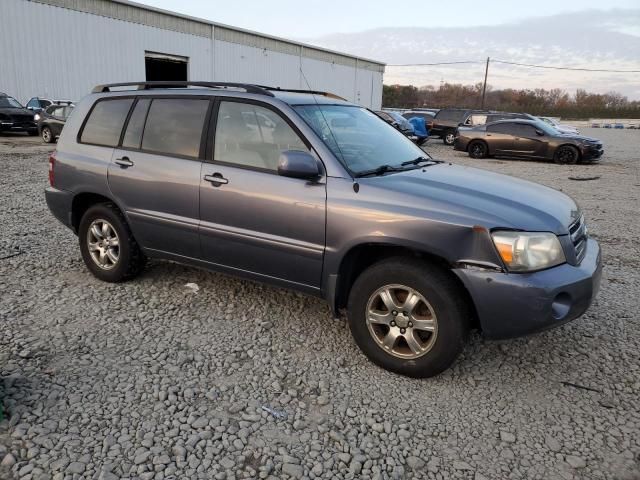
pixel 429 125
pixel 52 164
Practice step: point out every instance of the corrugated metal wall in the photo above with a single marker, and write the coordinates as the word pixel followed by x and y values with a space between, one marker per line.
pixel 62 48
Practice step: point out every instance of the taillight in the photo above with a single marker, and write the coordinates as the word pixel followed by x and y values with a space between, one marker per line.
pixel 52 164
pixel 429 125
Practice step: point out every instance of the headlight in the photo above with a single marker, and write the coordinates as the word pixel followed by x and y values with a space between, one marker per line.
pixel 36 117
pixel 526 251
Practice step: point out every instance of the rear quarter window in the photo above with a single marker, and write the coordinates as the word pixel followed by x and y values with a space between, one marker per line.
pixel 450 115
pixel 105 122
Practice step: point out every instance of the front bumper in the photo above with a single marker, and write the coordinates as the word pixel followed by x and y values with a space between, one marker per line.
pixel 60 202
pixel 592 152
pixel 18 126
pixel 512 304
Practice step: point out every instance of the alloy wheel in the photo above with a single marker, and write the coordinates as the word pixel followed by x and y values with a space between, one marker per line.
pixel 103 244
pixel 401 321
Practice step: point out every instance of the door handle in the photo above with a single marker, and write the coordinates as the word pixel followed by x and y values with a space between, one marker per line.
pixel 124 162
pixel 216 179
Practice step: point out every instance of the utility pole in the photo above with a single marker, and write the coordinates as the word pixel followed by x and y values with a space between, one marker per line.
pixel 484 86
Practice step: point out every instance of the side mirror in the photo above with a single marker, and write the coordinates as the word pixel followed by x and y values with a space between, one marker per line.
pixel 298 164
pixel 539 132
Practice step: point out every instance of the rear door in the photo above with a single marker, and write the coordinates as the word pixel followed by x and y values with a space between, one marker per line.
pixel 56 119
pixel 500 138
pixel 252 219
pixel 155 172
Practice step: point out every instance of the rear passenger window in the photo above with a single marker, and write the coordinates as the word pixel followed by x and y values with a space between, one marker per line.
pixel 502 128
pixel 253 136
pixel 174 126
pixel 105 122
pixel 133 134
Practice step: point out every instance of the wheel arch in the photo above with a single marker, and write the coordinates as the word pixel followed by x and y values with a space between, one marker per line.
pixel 82 202
pixel 361 256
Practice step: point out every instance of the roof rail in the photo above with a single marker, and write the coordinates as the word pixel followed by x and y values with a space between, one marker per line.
pixel 178 84
pixel 311 92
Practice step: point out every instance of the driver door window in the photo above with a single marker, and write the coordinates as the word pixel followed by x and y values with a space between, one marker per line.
pixel 252 136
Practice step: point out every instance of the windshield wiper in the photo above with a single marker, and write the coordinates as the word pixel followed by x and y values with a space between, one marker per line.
pixel 381 170
pixel 419 160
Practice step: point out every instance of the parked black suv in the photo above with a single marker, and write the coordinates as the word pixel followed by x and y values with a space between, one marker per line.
pixel 14 117
pixel 308 191
pixel 446 121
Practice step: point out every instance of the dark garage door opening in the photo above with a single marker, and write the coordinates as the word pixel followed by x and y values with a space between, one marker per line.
pixel 161 67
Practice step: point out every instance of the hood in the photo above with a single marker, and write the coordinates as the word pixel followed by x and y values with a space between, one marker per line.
pixel 581 138
pixel 15 111
pixel 469 196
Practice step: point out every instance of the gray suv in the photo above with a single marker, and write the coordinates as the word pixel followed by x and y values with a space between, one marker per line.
pixel 305 190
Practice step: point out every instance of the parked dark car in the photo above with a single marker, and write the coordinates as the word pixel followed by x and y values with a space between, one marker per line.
pixel 446 121
pixel 14 117
pixel 51 120
pixel 331 201
pixel 526 138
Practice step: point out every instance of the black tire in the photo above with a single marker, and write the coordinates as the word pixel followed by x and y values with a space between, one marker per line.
pixel 449 137
pixel 47 135
pixel 438 288
pixel 33 132
pixel 566 155
pixel 477 149
pixel 130 261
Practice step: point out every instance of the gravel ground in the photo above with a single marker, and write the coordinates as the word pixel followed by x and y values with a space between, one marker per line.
pixel 239 380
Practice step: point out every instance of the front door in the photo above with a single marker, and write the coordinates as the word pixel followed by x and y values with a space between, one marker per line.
pixel 155 173
pixel 252 219
pixel 528 142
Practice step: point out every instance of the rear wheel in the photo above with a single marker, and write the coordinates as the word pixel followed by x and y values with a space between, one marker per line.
pixel 107 245
pixel 477 149
pixel 408 317
pixel 566 155
pixel 449 137
pixel 47 135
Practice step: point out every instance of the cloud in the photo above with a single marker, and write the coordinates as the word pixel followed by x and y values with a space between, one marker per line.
pixel 595 39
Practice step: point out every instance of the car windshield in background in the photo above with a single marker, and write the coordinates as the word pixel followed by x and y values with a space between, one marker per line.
pixel 9 102
pixel 359 138
pixel 546 128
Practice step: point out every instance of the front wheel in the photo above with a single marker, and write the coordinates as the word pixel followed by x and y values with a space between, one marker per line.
pixel 449 137
pixel 107 245
pixel 408 317
pixel 47 135
pixel 566 155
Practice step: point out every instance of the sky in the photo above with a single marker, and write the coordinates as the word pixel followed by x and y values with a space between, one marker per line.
pixel 312 18
pixel 577 33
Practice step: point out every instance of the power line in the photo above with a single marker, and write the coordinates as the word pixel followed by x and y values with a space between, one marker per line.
pixel 530 65
pixel 565 68
pixel 430 64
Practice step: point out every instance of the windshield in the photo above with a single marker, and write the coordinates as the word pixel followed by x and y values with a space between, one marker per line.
pixel 9 102
pixel 361 140
pixel 546 128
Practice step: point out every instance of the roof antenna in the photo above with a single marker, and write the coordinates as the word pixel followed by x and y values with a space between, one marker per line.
pixel 356 186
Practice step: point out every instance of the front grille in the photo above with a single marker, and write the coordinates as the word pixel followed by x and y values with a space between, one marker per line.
pixel 578 233
pixel 22 118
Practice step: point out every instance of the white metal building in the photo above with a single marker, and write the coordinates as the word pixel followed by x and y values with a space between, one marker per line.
pixel 62 48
